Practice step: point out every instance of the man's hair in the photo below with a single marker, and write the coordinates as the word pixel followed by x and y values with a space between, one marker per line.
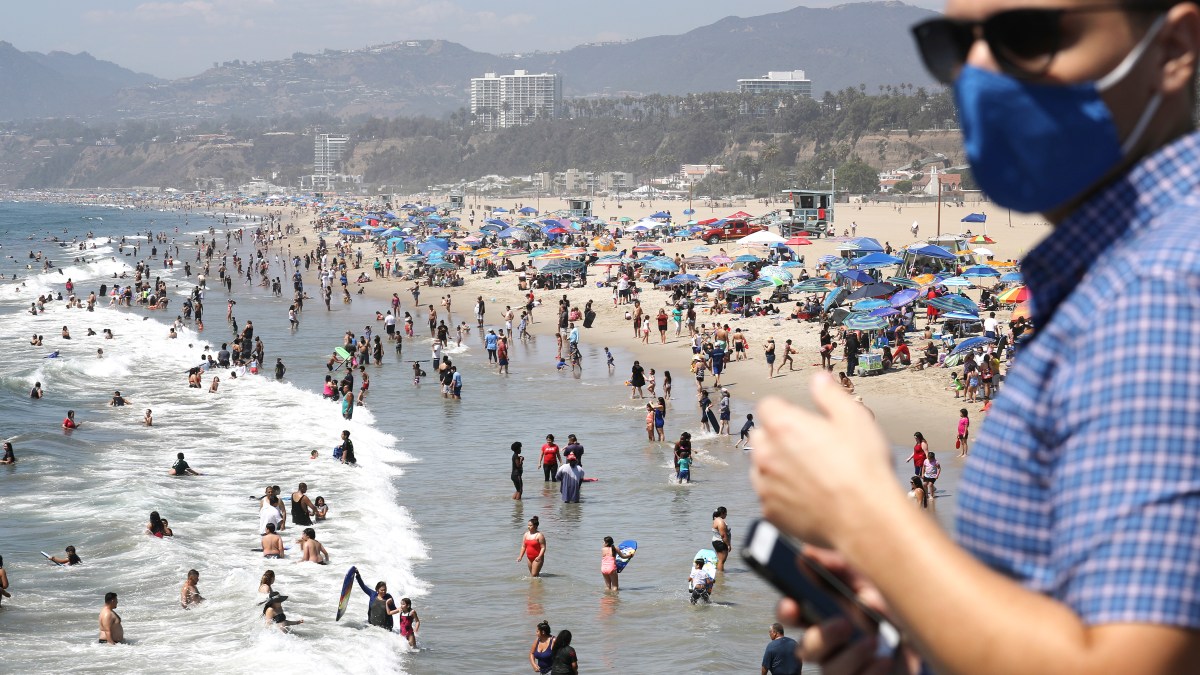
pixel 777 628
pixel 109 597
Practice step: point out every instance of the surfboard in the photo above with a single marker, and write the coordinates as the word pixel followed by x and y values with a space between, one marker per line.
pixel 709 557
pixel 50 559
pixel 259 549
pixel 347 586
pixel 713 422
pixel 627 549
pixel 342 353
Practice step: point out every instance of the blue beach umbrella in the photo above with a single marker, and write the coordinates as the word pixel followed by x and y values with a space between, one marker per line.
pixel 859 321
pixel 833 298
pixel 870 304
pixel 970 343
pixel 885 312
pixel 904 297
pixel 980 271
pixel 1012 278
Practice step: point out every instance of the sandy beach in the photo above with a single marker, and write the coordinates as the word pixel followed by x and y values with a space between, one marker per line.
pixel 903 400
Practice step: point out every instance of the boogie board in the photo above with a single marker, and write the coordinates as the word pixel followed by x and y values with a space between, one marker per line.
pixel 627 549
pixel 50 559
pixel 709 557
pixel 347 586
pixel 342 353
pixel 713 422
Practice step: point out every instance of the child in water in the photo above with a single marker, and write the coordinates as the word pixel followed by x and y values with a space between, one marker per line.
pixel 417 373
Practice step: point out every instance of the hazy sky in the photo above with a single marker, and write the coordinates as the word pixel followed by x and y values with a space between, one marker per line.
pixel 173 38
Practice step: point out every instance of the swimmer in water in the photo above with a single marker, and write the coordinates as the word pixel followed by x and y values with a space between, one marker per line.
pixel 117 400
pixel 268 579
pixel 189 595
pixel 69 559
pixel 272 544
pixel 533 548
pixel 314 551
pixel 111 631
pixel 181 468
pixel 70 423
pixel 149 419
pixel 9 457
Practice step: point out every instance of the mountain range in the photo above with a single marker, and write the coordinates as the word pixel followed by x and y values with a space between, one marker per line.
pixel 845 46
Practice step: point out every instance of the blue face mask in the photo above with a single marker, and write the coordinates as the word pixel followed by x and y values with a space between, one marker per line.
pixel 1034 147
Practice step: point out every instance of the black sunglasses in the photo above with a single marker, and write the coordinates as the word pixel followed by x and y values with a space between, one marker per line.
pixel 1023 41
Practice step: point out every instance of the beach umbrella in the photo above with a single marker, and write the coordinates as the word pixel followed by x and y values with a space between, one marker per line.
pixel 721 259
pixel 662 265
pixel 860 321
pixel 496 221
pixel 982 251
pixel 429 209
pixel 528 210
pixel 798 241
pixel 870 304
pixel 904 297
pixel 837 265
pixel 954 303
pixel 903 282
pixel 445 265
pixel 762 237
pixel 1014 295
pixel 981 239
pixel 660 214
pixel 647 247
pixel 812 286
pixel 876 290
pixel 955 282
pixel 856 275
pixel 885 312
pixel 686 278
pixel 624 219
pixel 743 291
pixel 971 343
pixel 1012 278
pixel 833 298
pixel 700 249
pixel 688 212
pixel 735 274
pixel 500 210
pixel 980 271
pixel 875 260
pixel 746 258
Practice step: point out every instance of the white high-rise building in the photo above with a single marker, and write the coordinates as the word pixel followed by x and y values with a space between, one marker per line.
pixel 514 100
pixel 777 81
pixel 327 152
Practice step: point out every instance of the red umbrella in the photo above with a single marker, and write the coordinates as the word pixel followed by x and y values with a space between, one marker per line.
pixel 798 241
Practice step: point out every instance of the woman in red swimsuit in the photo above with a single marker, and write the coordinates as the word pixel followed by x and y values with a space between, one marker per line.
pixel 533 548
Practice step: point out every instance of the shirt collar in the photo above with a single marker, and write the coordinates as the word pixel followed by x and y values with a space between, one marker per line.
pixel 1055 267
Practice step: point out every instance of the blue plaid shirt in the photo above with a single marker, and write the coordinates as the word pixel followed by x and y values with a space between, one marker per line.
pixel 1085 482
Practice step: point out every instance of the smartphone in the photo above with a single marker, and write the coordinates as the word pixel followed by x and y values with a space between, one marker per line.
pixel 822 596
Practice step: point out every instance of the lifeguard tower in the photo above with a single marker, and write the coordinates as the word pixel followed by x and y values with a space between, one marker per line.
pixel 811 213
pixel 580 208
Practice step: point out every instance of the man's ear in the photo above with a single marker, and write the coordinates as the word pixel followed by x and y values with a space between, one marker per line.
pixel 1181 49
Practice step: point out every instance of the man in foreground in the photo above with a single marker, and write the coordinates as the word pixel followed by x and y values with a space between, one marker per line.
pixel 1079 506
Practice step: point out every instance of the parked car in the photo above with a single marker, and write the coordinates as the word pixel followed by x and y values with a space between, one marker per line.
pixel 730 230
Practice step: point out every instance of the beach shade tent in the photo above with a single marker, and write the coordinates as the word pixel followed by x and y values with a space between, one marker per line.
pixel 975 218
pixel 869 304
pixel 903 297
pixel 929 251
pixel 812 286
pixel 981 271
pixel 955 303
pixel 1013 295
pixel 876 290
pixel 970 343
pixel 861 321
pixel 875 260
pixel 527 210
pixel 761 238
pixel 833 298
pixel 1012 278
pixel 856 275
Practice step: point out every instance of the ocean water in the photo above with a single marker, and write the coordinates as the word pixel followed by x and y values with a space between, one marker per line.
pixel 428 509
